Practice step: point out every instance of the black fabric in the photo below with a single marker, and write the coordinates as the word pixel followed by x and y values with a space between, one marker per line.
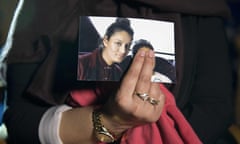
pixel 22 121
pixel 192 7
pixel 43 60
pixel 23 115
pixel 6 14
pixel 207 77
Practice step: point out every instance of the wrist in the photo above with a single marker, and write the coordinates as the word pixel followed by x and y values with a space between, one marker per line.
pixel 106 128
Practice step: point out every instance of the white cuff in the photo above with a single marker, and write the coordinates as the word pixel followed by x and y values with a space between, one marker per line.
pixel 50 124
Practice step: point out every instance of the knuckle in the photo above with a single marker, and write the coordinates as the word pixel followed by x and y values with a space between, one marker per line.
pixel 145 78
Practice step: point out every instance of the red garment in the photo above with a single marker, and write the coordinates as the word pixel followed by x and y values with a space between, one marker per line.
pixel 171 128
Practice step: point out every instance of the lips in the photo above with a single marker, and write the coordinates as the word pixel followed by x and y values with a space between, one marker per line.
pixel 120 56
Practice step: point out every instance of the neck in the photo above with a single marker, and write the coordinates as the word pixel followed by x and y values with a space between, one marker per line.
pixel 106 58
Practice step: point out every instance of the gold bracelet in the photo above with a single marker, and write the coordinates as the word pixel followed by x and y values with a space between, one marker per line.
pixel 102 134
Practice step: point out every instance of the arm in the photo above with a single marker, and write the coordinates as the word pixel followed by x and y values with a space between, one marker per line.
pixel 121 112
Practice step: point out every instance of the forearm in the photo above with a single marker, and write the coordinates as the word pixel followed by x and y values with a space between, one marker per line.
pixel 76 126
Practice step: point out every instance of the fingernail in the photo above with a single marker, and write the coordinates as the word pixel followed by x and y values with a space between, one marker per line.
pixel 142 53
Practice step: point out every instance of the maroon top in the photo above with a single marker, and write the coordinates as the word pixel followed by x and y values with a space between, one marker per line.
pixel 92 67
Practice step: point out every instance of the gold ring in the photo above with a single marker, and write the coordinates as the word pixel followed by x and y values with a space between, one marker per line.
pixel 153 101
pixel 143 96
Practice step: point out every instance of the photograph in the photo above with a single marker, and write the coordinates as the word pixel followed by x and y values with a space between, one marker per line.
pixel 107 46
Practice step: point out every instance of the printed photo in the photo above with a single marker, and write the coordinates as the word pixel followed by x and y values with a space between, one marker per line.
pixel 107 46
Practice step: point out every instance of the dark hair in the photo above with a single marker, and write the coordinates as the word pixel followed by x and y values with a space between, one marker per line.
pixel 139 44
pixel 121 24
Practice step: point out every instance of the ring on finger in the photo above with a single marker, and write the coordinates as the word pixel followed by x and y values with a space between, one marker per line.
pixel 143 96
pixel 153 101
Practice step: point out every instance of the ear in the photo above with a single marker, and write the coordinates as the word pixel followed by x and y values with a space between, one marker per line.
pixel 105 41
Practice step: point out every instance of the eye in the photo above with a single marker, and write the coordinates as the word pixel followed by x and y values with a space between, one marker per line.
pixel 118 44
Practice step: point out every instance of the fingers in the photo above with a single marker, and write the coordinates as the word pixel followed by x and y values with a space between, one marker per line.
pixel 139 74
pixel 149 110
pixel 137 84
pixel 131 78
pixel 144 79
pixel 156 93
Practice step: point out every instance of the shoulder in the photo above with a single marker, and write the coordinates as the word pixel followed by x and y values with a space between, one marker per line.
pixel 88 58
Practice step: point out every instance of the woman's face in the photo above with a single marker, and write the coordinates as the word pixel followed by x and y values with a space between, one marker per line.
pixel 116 47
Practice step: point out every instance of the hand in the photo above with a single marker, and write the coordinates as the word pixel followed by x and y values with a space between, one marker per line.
pixel 126 107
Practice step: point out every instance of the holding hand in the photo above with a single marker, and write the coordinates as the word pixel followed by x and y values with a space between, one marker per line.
pixel 138 100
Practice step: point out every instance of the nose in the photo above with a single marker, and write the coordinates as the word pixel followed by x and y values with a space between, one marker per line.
pixel 123 49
